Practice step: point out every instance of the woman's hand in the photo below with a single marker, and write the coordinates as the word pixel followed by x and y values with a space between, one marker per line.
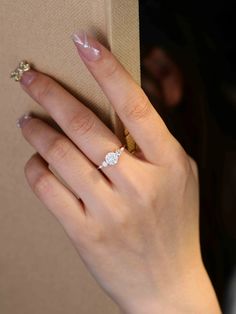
pixel 134 224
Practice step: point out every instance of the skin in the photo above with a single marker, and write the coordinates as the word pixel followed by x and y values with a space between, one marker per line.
pixel 136 224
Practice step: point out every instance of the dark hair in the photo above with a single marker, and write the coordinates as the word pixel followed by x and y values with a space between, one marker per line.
pixel 200 40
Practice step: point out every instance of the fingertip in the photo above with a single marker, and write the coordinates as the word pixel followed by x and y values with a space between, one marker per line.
pixel 21 121
pixel 88 47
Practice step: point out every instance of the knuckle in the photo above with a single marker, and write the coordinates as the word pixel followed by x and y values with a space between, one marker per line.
pixel 122 219
pixel 97 235
pixel 136 107
pixel 143 192
pixel 143 187
pixel 182 166
pixel 194 166
pixel 58 149
pixel 45 89
pixel 93 233
pixel 147 196
pixel 82 124
pixel 183 173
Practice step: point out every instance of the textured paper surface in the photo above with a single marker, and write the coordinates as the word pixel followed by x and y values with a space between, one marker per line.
pixel 40 271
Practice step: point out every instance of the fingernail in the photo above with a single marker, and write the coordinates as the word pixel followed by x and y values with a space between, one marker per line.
pixel 88 47
pixel 28 77
pixel 23 120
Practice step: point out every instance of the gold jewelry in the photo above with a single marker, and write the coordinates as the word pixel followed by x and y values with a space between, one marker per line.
pixel 130 143
pixel 112 158
pixel 22 67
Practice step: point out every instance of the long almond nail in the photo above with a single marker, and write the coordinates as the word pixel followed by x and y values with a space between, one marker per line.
pixel 88 48
pixel 23 120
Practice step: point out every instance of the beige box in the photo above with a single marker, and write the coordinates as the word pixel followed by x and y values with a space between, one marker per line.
pixel 40 271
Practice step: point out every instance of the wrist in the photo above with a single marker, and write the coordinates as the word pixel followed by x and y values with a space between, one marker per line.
pixel 151 307
pixel 195 294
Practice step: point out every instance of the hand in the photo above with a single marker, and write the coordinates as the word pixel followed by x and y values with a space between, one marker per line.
pixel 134 224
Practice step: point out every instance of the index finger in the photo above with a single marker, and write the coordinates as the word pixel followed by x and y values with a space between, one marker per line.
pixel 128 99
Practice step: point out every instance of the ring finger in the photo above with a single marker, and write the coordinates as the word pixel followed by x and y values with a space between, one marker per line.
pixel 80 124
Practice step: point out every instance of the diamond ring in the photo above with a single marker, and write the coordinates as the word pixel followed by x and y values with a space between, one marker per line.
pixel 111 158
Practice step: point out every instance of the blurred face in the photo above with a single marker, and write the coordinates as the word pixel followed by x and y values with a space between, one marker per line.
pixel 163 80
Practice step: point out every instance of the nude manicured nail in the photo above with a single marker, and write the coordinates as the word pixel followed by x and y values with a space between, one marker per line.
pixel 88 48
pixel 23 120
pixel 28 77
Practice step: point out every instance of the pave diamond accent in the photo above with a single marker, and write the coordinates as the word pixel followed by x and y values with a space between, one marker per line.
pixel 104 164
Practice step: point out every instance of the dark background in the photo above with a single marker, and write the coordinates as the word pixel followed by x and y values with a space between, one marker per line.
pixel 200 39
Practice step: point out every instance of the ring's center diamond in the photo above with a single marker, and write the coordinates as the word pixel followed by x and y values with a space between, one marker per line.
pixel 111 158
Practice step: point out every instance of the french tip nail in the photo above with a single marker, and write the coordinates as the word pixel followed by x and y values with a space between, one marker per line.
pixel 23 120
pixel 80 39
pixel 86 45
pixel 79 35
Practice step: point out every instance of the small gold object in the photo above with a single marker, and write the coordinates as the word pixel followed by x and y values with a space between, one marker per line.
pixel 22 67
pixel 130 143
